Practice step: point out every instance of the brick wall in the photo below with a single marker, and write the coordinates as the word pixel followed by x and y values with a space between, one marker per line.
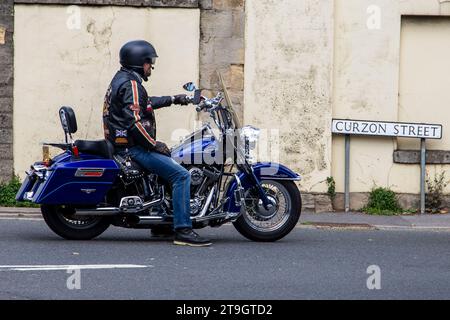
pixel 6 88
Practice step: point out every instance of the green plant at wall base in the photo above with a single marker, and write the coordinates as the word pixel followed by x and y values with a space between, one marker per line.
pixel 435 192
pixel 382 201
pixel 331 188
pixel 8 194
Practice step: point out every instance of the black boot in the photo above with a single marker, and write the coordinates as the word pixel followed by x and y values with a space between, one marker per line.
pixel 187 237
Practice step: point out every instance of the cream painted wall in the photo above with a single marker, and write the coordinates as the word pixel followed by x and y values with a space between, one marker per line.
pixel 366 86
pixel 288 74
pixel 425 76
pixel 56 66
pixel 306 62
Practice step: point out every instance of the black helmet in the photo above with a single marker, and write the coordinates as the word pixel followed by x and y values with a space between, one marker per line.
pixel 134 54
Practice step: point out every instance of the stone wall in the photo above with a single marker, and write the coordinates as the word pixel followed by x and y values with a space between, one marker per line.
pixel 358 200
pixel 133 3
pixel 75 66
pixel 222 46
pixel 222 38
pixel 288 83
pixel 6 88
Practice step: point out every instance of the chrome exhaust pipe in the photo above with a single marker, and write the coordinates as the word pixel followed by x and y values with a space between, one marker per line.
pixel 113 211
pixel 207 203
pixel 145 220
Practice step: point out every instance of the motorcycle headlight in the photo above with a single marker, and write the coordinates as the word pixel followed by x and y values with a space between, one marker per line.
pixel 250 136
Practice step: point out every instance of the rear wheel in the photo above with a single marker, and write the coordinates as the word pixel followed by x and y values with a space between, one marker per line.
pixel 63 221
pixel 260 224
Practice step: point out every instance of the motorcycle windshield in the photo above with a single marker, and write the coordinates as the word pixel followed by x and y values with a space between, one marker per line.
pixel 229 103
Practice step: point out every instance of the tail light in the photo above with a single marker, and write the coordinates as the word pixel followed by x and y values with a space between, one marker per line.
pixel 89 172
pixel 46 160
pixel 75 151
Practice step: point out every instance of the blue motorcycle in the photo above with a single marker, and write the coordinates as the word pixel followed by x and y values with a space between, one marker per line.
pixel 88 187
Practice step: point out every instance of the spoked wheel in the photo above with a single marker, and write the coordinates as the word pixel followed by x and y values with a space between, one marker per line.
pixel 260 224
pixel 63 221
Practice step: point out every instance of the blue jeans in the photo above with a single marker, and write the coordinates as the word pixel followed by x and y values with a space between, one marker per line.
pixel 178 177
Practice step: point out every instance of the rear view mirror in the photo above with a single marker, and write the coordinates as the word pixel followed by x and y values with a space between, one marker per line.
pixel 68 120
pixel 190 86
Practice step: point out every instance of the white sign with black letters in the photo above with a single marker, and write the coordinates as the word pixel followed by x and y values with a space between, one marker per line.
pixel 387 129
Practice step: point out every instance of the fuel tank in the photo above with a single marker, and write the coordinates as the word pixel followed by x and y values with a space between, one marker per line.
pixel 197 148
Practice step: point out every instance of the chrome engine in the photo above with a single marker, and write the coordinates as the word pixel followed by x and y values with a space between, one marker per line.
pixel 196 206
pixel 196 176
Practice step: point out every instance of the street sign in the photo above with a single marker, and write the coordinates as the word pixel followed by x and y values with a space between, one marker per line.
pixel 422 131
pixel 387 129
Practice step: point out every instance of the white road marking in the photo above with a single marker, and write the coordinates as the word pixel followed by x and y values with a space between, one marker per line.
pixel 20 218
pixel 71 267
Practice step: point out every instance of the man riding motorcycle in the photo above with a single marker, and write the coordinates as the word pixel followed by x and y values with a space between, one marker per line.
pixel 129 123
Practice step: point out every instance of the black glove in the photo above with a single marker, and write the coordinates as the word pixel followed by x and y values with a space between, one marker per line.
pixel 162 148
pixel 181 99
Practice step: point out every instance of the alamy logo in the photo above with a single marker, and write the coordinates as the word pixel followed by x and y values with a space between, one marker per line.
pixel 374 280
pixel 73 22
pixel 74 281
pixel 374 20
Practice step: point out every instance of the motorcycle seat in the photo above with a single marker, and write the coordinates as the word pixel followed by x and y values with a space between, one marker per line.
pixel 102 148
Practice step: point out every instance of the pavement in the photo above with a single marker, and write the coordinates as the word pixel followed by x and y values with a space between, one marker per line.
pixel 351 220
pixel 309 263
pixel 362 220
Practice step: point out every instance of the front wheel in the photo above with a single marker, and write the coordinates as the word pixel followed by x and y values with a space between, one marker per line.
pixel 63 221
pixel 259 224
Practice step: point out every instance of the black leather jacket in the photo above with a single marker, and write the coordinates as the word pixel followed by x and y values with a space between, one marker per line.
pixel 128 117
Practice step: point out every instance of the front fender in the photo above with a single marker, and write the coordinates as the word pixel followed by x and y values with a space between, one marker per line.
pixel 263 171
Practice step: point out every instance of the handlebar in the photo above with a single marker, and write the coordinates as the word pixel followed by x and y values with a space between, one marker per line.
pixel 199 107
pixel 208 105
pixel 205 103
pixel 190 99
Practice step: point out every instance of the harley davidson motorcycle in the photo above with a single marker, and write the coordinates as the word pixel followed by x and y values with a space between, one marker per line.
pixel 87 188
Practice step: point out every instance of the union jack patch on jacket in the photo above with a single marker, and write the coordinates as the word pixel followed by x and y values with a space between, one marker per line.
pixel 121 133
